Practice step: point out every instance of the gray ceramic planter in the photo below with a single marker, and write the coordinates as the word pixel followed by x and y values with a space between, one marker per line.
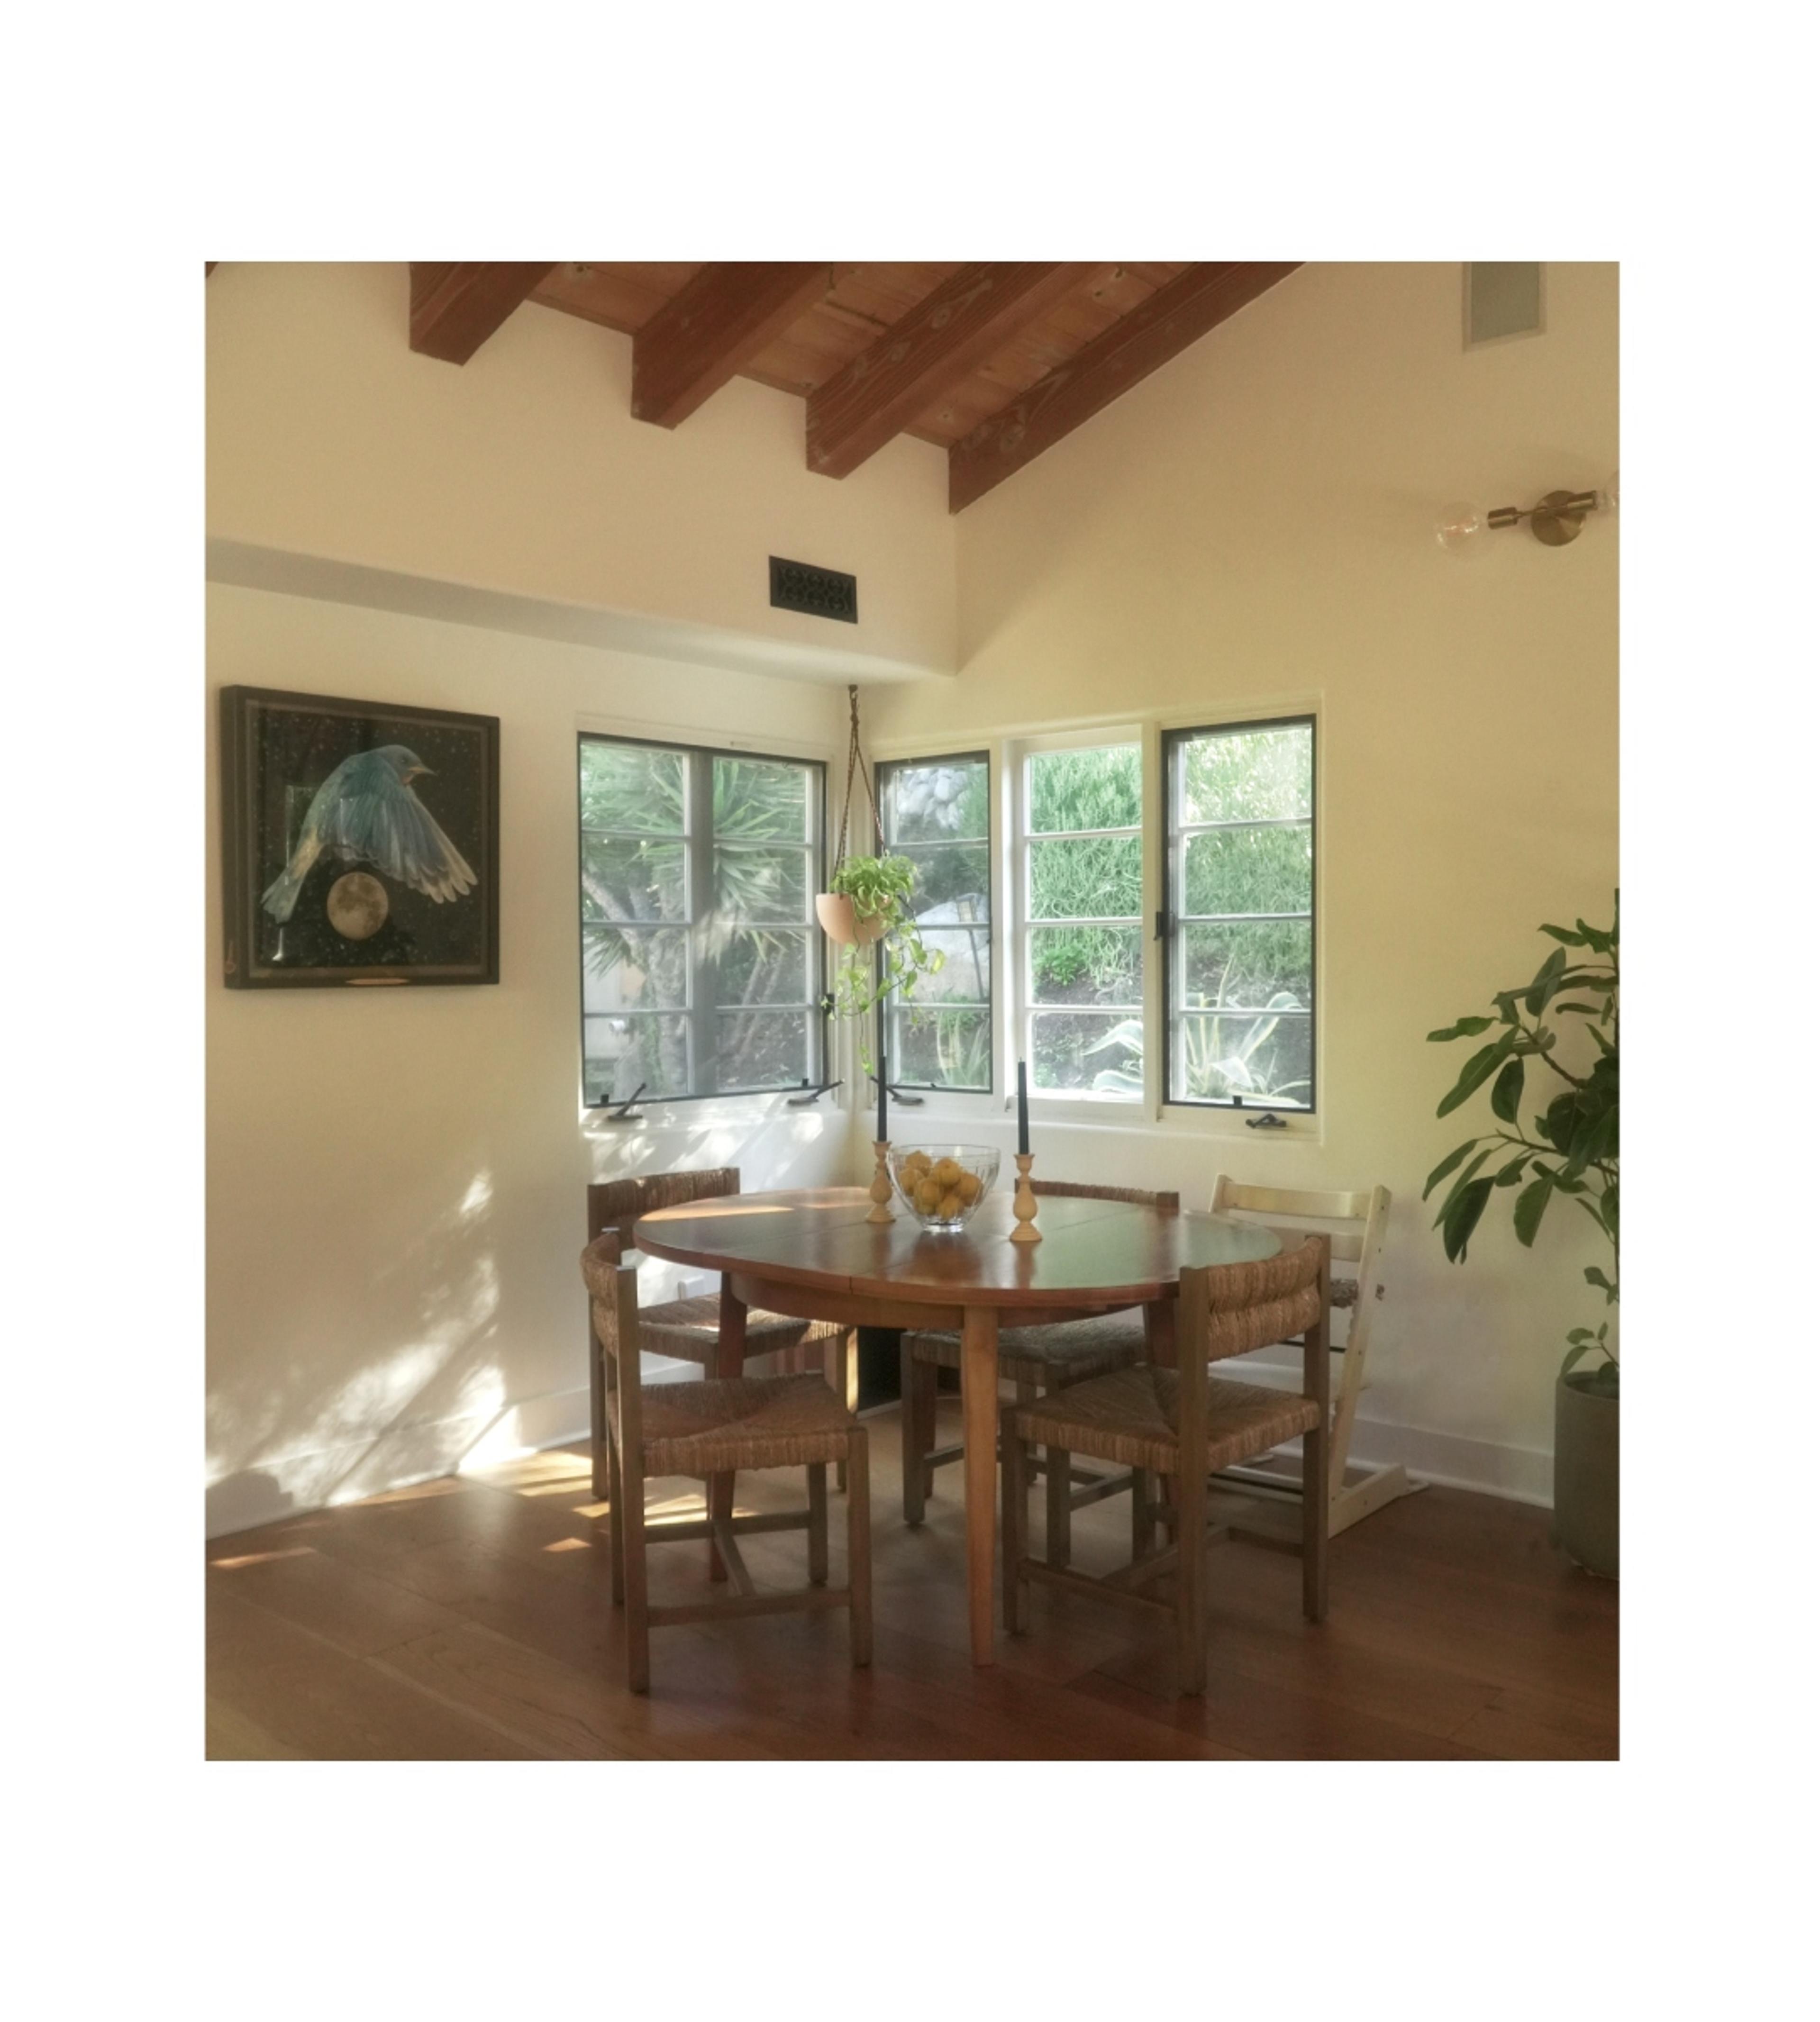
pixel 1586 1477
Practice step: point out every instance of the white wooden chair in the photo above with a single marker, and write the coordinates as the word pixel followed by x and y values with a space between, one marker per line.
pixel 1356 1223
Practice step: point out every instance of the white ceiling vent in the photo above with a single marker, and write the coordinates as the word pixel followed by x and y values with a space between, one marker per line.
pixel 1504 298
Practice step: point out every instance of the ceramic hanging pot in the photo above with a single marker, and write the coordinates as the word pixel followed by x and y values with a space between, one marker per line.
pixel 835 912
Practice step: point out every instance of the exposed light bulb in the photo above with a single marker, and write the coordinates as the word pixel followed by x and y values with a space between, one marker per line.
pixel 1608 495
pixel 1460 528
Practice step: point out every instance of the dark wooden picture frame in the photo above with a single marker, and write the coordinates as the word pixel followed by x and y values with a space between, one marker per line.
pixel 334 871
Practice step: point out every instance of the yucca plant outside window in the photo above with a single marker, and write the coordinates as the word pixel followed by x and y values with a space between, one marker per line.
pixel 701 968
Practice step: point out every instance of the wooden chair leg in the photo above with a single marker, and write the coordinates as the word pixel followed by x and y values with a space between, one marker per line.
pixel 597 1440
pixel 1191 1581
pixel 859 1549
pixel 1058 1491
pixel 616 1525
pixel 632 1544
pixel 1015 1525
pixel 915 1471
pixel 1314 1523
pixel 818 1523
pixel 841 1365
pixel 1143 1525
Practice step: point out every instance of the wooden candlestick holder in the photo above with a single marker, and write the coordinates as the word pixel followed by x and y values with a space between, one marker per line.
pixel 881 1185
pixel 1023 1203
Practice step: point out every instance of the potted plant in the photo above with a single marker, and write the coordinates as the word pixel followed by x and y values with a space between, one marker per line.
pixel 867 903
pixel 1565 1022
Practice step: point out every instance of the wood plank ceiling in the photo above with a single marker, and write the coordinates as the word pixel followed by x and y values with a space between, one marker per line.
pixel 993 361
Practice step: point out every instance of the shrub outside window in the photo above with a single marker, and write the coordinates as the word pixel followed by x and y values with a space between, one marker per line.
pixel 1239 962
pixel 701 964
pixel 1081 954
pixel 938 812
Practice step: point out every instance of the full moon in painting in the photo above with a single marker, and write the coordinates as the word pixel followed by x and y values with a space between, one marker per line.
pixel 357 906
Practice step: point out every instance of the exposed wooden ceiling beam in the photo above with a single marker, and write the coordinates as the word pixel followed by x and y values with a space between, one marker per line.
pixel 721 319
pixel 924 355
pixel 457 304
pixel 1115 361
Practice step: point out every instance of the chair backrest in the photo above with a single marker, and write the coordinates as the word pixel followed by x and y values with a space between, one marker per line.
pixel 1233 1308
pixel 616 1205
pixel 1355 1223
pixel 1166 1203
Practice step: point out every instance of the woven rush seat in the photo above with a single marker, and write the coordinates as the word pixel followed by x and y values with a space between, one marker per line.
pixel 1072 1350
pixel 690 1330
pixel 723 1424
pixel 1130 1417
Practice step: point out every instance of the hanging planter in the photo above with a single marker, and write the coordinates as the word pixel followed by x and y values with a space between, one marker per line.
pixel 866 908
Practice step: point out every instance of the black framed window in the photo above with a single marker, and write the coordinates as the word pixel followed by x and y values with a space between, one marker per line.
pixel 701 967
pixel 1239 948
pixel 938 812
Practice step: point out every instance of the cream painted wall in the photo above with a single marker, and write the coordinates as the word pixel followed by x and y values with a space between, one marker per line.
pixel 395 1177
pixel 1250 529
pixel 522 472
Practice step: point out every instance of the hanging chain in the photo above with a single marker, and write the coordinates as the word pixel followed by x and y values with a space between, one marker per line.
pixel 855 761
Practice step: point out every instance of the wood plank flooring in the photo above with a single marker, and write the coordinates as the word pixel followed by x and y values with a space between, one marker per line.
pixel 469 1619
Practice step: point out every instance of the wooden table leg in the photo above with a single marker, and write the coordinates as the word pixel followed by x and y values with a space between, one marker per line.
pixel 730 1360
pixel 979 1411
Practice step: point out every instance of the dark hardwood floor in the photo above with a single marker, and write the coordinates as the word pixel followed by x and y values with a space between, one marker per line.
pixel 469 1619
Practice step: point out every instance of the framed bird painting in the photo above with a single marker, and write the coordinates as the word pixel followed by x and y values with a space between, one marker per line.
pixel 360 842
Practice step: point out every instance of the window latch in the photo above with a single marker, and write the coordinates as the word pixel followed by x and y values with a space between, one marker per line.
pixel 1269 1121
pixel 1162 928
pixel 626 1113
pixel 808 1095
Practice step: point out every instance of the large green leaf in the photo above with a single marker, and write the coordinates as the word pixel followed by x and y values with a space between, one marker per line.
pixel 1562 934
pixel 1507 1091
pixel 1478 1069
pixel 1558 1126
pixel 1447 1165
pixel 1545 986
pixel 1464 1028
pixel 1466 1209
pixel 1527 1214
pixel 1459 1186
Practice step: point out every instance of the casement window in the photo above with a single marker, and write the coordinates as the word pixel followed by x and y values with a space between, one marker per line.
pixel 938 812
pixel 1239 944
pixel 701 968
pixel 1079 877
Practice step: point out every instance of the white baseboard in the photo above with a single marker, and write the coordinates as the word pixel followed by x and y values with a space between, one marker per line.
pixel 297 1482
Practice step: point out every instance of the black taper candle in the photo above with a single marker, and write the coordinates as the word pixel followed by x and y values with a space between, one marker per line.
pixel 882 1125
pixel 1023 1111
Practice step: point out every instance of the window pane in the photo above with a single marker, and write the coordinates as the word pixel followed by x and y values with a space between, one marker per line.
pixel 762 1048
pixel 1102 876
pixel 1264 1059
pixel 952 883
pixel 756 800
pixel 762 884
pixel 933 1049
pixel 936 803
pixel 631 785
pixel 1095 789
pixel 1249 966
pixel 1249 871
pixel 965 974
pixel 1087 1053
pixel 632 971
pixel 1248 774
pixel 1086 965
pixel 764 968
pixel 624 880
pixel 619 1053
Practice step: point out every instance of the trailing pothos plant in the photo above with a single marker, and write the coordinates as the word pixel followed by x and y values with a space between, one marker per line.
pixel 1571 1146
pixel 880 888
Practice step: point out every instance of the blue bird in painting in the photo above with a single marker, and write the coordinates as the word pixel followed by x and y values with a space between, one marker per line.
pixel 366 810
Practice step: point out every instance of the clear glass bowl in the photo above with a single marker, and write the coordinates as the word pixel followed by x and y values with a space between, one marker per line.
pixel 943 1185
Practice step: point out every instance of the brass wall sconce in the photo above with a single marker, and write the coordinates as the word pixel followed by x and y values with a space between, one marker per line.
pixel 1554 518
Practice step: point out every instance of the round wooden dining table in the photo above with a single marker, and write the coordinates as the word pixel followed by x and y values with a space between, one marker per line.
pixel 812 1253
